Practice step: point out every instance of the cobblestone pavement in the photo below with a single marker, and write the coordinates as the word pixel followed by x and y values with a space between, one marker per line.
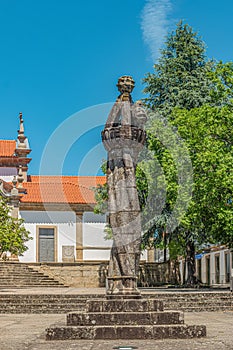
pixel 26 332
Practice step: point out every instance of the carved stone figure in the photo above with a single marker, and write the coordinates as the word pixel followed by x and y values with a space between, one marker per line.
pixel 123 138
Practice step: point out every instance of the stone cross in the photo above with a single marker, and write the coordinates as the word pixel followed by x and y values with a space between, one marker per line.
pixel 123 138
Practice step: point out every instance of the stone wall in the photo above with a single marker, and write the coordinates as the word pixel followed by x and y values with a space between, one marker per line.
pixel 93 274
pixel 77 275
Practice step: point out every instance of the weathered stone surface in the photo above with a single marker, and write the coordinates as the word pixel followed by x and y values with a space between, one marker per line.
pixel 125 332
pixel 68 253
pixel 142 305
pixel 122 318
pixel 20 275
pixel 123 138
pixel 63 333
pixel 63 303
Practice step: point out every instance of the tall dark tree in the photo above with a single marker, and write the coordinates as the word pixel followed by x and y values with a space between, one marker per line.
pixel 180 77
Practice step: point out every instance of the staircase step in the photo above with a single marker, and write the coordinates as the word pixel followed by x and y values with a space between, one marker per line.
pixel 124 332
pixel 19 275
pixel 124 318
pixel 63 303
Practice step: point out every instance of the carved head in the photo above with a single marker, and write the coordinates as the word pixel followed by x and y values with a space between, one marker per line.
pixel 139 114
pixel 125 84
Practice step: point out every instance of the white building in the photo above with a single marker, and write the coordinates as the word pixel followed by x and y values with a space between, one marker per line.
pixel 57 210
pixel 213 266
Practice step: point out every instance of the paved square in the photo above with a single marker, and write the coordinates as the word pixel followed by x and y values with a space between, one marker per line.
pixel 27 332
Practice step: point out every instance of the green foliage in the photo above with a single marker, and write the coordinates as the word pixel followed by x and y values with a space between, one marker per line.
pixel 221 92
pixel 180 78
pixel 208 132
pixel 101 197
pixel 13 235
pixel 101 194
pixel 176 248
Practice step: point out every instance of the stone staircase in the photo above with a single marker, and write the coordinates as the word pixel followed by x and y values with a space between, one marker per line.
pixel 64 303
pixel 40 303
pixel 124 318
pixel 196 301
pixel 19 275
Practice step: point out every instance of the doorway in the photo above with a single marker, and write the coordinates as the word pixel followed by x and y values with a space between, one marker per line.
pixel 46 244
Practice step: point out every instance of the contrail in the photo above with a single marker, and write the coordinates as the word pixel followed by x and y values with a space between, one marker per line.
pixel 155 24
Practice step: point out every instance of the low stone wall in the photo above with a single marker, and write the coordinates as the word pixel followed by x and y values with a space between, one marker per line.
pixel 77 275
pixel 93 274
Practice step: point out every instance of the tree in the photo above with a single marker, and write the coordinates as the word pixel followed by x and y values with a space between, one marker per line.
pixel 180 77
pixel 186 90
pixel 13 235
pixel 221 91
pixel 208 132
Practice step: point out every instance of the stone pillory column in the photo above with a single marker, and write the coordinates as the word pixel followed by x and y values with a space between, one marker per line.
pixel 123 138
pixel 123 314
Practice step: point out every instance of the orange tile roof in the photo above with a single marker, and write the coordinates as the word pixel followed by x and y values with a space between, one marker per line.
pixel 6 185
pixel 7 148
pixel 61 189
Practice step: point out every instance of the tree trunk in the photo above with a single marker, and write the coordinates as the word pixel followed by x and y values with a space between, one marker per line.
pixel 191 266
pixel 165 247
pixel 184 270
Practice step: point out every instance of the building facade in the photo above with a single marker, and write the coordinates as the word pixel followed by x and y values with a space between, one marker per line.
pixel 57 210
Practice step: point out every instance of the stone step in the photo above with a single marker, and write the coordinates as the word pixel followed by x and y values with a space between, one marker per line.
pixel 126 305
pixel 41 310
pixel 29 277
pixel 206 309
pixel 198 300
pixel 36 303
pixel 15 272
pixel 182 295
pixel 18 275
pixel 22 302
pixel 125 332
pixel 23 286
pixel 124 318
pixel 199 303
pixel 50 297
pixel 25 280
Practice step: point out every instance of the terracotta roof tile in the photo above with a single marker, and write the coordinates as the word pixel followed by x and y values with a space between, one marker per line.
pixel 7 148
pixel 61 189
pixel 6 185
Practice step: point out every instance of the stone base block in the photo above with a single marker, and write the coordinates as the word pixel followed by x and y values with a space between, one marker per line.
pixel 124 305
pixel 122 318
pixel 125 332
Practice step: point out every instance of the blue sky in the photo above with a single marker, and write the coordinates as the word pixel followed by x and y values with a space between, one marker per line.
pixel 60 57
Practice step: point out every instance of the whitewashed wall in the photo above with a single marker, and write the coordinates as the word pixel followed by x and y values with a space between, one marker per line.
pixel 7 174
pixel 94 237
pixel 66 230
pixel 96 247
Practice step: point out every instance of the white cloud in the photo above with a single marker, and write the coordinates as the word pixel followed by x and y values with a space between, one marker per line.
pixel 155 24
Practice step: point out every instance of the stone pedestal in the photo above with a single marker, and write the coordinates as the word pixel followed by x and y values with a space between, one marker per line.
pixel 125 319
pixel 122 287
